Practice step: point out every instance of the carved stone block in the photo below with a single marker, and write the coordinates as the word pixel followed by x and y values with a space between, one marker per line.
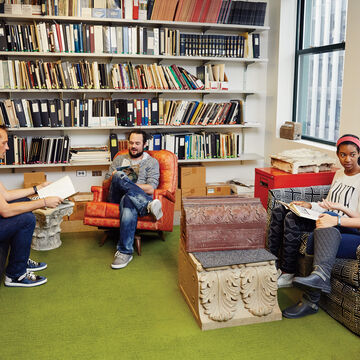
pixel 47 230
pixel 222 223
pixel 229 295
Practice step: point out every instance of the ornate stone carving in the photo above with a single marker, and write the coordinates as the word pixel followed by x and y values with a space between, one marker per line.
pixel 219 292
pixel 46 235
pixel 259 288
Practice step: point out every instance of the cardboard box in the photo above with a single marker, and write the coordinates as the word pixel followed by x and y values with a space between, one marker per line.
pixel 178 200
pixel 192 176
pixel 218 189
pixel 80 200
pixel 34 178
pixel 194 191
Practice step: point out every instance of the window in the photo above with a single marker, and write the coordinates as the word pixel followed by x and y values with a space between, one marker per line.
pixel 319 68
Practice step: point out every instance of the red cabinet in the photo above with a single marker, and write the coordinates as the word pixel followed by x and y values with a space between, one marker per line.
pixel 271 178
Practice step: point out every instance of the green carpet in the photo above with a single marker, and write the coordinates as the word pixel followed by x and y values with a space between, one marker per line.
pixel 89 311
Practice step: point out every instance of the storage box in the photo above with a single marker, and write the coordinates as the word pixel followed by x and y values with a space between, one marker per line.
pixel 222 223
pixel 194 191
pixel 192 176
pixel 218 189
pixel 80 200
pixel 178 200
pixel 290 130
pixel 271 178
pixel 34 178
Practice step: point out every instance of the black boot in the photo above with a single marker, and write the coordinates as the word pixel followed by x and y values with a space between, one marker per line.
pixel 326 244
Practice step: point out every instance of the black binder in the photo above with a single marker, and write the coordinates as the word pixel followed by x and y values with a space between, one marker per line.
pixel 3 40
pixel 114 147
pixel 35 112
pixel 20 114
pixel 44 112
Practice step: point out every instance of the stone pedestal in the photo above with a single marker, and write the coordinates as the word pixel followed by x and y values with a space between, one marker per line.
pixel 47 230
pixel 232 295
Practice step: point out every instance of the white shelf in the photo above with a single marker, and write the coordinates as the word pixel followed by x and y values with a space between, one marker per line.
pixel 243 157
pixel 149 23
pixel 151 91
pixel 144 127
pixel 27 54
pixel 53 165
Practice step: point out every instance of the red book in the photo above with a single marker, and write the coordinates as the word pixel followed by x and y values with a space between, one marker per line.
pixel 58 33
pixel 135 9
pixel 138 112
pixel 210 11
pixel 216 12
pixel 205 10
pixel 197 10
pixel 178 10
pixel 180 77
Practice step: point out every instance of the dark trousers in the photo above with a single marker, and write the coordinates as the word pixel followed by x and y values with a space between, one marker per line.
pixel 17 231
pixel 133 202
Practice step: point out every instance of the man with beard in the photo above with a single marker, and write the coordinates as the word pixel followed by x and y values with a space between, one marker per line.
pixel 135 176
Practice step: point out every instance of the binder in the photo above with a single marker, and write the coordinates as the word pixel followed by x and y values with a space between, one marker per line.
pixel 10 158
pixel 44 113
pixel 35 112
pixel 3 40
pixel 53 113
pixel 113 145
pixel 130 113
pixel 155 112
pixel 157 142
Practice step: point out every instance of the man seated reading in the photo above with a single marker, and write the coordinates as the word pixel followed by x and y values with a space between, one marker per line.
pixel 17 224
pixel 135 176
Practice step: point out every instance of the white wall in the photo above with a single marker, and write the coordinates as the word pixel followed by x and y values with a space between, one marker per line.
pixel 282 20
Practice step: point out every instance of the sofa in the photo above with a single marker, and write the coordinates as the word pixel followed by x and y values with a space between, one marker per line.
pixel 343 303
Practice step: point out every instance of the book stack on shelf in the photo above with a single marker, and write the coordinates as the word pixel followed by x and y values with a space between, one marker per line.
pixel 199 146
pixel 27 75
pixel 205 11
pixel 91 154
pixel 42 150
pixel 136 40
pixel 111 113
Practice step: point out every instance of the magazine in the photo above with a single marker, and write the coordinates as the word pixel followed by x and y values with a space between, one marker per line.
pixel 62 188
pixel 301 211
pixel 131 172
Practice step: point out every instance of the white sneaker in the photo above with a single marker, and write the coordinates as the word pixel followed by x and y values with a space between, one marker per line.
pixel 154 208
pixel 285 280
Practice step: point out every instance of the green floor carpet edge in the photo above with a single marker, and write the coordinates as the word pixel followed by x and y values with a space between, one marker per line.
pixel 89 311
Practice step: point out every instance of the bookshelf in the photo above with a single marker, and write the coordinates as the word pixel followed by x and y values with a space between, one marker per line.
pixel 241 92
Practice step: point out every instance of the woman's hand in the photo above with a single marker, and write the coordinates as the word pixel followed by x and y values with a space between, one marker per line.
pixel 302 203
pixel 52 201
pixel 329 205
pixel 326 220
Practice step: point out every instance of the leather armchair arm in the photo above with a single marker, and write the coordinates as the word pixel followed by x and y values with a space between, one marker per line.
pixel 98 192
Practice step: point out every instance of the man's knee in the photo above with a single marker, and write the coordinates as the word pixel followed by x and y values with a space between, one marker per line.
pixel 27 219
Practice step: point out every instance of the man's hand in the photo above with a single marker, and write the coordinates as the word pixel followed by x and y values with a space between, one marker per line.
pixel 52 201
pixel 42 185
pixel 302 203
pixel 326 220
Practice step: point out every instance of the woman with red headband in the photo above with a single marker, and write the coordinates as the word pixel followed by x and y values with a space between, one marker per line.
pixel 343 199
pixel 336 235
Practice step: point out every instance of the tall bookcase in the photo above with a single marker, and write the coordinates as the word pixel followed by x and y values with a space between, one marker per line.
pixel 236 69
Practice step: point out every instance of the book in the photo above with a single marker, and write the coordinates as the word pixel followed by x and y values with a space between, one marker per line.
pixel 301 211
pixel 62 188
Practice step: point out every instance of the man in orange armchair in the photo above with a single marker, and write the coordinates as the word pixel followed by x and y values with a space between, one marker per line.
pixel 135 176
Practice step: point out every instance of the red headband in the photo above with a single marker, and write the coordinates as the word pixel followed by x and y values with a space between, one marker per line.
pixel 348 138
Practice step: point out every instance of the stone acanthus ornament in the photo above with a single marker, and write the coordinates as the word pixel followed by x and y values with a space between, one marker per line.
pixel 220 290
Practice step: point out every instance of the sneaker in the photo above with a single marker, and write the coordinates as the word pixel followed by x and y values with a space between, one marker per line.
pixel 154 208
pixel 29 279
pixel 121 260
pixel 35 266
pixel 285 280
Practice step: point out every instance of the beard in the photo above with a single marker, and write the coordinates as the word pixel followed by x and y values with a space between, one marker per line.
pixel 137 155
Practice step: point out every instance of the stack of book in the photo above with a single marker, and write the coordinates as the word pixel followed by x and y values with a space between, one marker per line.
pixel 117 112
pixel 198 146
pixel 24 75
pixel 92 154
pixel 42 150
pixel 208 11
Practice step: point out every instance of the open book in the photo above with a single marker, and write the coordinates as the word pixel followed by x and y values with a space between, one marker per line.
pixel 62 188
pixel 301 211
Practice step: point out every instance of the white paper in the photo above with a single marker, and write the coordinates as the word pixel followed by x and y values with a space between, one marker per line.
pixel 62 188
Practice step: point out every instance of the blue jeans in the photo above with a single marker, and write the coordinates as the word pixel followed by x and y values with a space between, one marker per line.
pixel 18 231
pixel 133 202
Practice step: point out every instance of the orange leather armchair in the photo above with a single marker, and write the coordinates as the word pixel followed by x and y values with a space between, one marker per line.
pixel 103 214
